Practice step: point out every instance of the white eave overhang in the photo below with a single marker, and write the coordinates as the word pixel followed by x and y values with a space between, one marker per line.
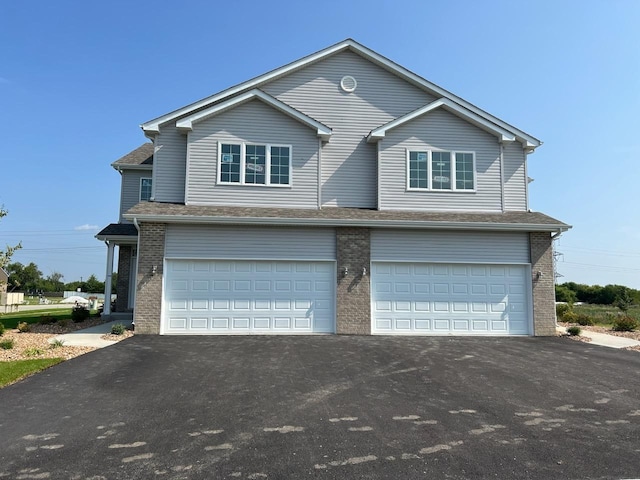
pixel 186 124
pixel 118 238
pixel 121 168
pixel 152 127
pixel 502 134
pixel 332 222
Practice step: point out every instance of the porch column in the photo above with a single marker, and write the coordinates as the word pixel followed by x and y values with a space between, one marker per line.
pixel 107 280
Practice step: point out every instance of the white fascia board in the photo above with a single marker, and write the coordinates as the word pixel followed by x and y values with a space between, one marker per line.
pixel 504 135
pixel 120 168
pixel 329 222
pixel 119 239
pixel 153 126
pixel 186 124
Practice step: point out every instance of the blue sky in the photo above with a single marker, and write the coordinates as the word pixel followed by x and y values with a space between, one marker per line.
pixel 77 79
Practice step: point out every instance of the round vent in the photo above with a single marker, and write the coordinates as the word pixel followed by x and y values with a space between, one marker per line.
pixel 348 83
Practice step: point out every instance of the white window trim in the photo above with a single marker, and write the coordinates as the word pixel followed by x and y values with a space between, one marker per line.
pixel 243 150
pixel 140 189
pixel 430 188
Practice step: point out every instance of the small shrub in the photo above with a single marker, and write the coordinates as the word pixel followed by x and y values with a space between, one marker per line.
pixel 63 323
pixel 79 314
pixel 117 329
pixel 47 320
pixel 6 344
pixel 570 317
pixel 24 327
pixel 584 319
pixel 562 309
pixel 574 331
pixel 57 343
pixel 33 352
pixel 624 323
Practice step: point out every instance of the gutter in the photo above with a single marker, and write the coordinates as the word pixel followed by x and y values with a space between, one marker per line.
pixel 332 222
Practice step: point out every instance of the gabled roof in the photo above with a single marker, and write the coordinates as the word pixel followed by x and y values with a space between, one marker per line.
pixel 504 135
pixel 186 124
pixel 341 216
pixel 153 126
pixel 139 159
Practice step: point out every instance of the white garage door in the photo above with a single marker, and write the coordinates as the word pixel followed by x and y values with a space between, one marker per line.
pixel 248 297
pixel 449 299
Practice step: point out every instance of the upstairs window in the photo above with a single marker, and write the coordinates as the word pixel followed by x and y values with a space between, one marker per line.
pixel 441 171
pixel 145 189
pixel 251 164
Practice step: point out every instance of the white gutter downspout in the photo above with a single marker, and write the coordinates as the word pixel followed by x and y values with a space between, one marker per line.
pixel 502 176
pixel 108 279
pixel 319 174
pixel 135 289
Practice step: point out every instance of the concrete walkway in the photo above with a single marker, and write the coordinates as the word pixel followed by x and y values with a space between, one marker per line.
pixel 90 337
pixel 604 339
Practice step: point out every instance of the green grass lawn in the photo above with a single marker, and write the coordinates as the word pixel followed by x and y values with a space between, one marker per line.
pixel 13 371
pixel 11 320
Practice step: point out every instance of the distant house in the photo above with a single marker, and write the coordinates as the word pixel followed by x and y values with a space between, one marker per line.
pixel 340 193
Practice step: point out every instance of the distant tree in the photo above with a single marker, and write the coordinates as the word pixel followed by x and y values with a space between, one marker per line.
pixel 26 278
pixel 624 300
pixel 93 285
pixel 114 281
pixel 53 283
pixel 5 255
pixel 565 294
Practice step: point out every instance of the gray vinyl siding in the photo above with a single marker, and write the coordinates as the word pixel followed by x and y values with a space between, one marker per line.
pixel 439 130
pixel 252 122
pixel 169 165
pixel 250 243
pixel 515 179
pixel 349 163
pixel 449 246
pixel 130 190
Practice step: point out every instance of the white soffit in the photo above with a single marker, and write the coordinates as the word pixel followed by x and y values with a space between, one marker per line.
pixel 186 124
pixel 504 135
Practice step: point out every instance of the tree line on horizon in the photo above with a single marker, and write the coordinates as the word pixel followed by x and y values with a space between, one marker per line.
pixel 29 279
pixel 617 295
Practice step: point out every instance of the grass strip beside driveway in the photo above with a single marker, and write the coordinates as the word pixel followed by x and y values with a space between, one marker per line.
pixel 11 320
pixel 11 372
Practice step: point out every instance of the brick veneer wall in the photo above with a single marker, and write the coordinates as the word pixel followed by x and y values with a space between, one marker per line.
pixel 353 298
pixel 124 273
pixel 544 297
pixel 149 285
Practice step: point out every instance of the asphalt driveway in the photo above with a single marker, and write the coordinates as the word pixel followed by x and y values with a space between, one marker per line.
pixel 328 407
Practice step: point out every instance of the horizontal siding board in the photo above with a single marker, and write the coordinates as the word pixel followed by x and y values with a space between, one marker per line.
pixel 515 181
pixel 449 246
pixel 252 122
pixel 348 161
pixel 169 165
pixel 439 130
pixel 250 243
pixel 130 190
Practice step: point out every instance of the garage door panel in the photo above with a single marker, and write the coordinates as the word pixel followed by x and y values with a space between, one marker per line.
pixel 449 299
pixel 248 297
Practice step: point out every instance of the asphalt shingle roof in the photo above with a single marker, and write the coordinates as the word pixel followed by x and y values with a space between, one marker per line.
pixel 124 229
pixel 143 155
pixel 340 214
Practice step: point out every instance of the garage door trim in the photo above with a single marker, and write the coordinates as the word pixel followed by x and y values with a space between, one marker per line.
pixel 163 306
pixel 528 284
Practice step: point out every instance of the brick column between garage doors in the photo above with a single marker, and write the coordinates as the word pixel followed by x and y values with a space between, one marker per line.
pixel 353 291
pixel 147 314
pixel 544 295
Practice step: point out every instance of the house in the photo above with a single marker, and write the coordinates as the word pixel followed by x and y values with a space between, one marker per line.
pixel 340 193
